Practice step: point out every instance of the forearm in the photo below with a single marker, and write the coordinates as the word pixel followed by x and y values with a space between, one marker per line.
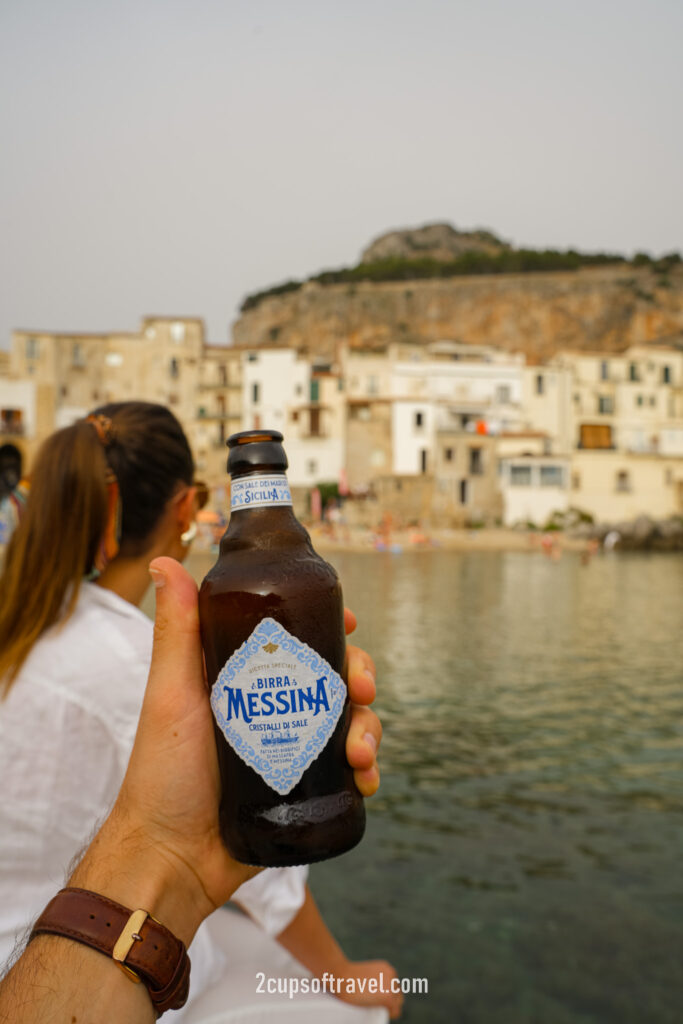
pixel 308 938
pixel 60 980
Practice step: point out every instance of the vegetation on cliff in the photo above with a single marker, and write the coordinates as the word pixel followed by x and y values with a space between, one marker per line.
pixel 508 261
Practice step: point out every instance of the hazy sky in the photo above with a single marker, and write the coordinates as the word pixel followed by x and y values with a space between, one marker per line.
pixel 168 157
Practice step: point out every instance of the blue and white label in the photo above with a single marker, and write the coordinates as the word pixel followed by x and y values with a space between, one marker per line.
pixel 277 702
pixel 257 491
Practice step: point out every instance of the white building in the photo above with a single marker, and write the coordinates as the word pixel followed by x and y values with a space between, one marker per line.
pixel 460 391
pixel 285 391
pixel 533 488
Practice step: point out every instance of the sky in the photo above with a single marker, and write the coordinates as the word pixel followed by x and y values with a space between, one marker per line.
pixel 165 157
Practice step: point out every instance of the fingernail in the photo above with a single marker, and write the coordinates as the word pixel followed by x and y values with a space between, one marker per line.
pixel 371 741
pixel 370 675
pixel 158 577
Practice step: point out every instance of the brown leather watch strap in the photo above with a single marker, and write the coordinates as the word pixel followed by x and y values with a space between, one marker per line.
pixel 155 955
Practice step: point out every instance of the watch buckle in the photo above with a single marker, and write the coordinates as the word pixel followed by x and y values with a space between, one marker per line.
pixel 130 934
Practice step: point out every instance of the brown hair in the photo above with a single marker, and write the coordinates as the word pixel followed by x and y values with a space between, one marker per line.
pixel 61 530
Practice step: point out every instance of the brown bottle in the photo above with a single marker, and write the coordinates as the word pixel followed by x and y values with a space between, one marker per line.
pixel 272 624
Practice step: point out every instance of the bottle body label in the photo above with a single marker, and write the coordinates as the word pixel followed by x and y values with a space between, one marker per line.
pixel 259 490
pixel 277 702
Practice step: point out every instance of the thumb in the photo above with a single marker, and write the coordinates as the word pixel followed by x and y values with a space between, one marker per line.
pixel 177 665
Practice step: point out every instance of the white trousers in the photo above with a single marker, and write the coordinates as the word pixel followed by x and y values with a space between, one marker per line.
pixel 235 999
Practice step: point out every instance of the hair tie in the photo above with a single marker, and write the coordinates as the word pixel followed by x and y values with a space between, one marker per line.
pixel 103 426
pixel 111 538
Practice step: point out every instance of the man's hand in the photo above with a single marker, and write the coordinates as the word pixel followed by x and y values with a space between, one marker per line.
pixel 166 815
pixel 365 731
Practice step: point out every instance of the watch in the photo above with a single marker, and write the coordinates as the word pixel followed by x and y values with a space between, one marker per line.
pixel 142 947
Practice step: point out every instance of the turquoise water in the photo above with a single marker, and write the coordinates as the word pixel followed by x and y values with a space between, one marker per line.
pixel 525 851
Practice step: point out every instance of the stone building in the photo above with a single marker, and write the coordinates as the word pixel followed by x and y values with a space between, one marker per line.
pixel 159 363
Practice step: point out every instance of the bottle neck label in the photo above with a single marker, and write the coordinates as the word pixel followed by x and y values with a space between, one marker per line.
pixel 277 702
pixel 259 491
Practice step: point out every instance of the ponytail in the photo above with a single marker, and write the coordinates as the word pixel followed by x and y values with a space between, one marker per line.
pixel 56 542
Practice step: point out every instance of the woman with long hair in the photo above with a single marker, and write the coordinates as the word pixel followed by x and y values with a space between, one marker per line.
pixel 107 495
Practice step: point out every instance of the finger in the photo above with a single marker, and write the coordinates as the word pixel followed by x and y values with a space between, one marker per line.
pixel 350 621
pixel 177 668
pixel 360 675
pixel 367 781
pixel 363 739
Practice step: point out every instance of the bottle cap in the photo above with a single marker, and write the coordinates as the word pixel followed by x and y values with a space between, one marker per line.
pixel 256 449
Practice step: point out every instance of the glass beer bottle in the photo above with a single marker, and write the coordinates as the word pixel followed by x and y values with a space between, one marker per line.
pixel 272 625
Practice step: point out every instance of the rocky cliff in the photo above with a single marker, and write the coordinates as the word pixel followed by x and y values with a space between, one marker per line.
pixel 602 308
pixel 433 241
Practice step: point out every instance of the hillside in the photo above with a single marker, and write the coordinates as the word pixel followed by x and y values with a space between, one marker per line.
pixel 532 301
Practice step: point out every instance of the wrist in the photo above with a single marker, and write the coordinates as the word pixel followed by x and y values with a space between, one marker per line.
pixel 124 864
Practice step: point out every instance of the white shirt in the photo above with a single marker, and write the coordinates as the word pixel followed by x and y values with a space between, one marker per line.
pixel 66 731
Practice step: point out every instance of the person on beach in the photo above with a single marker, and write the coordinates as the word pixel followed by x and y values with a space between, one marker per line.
pixel 109 494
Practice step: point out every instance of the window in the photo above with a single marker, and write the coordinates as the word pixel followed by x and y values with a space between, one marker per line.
pixel 315 390
pixel 178 331
pixel 311 467
pixel 653 401
pixel 604 370
pixel 423 460
pixel 633 371
pixel 373 385
pixel 252 357
pixel 222 375
pixel 255 390
pixel 10 421
pixel 77 355
pixel 540 384
pixel 595 435
pixel 552 476
pixel 666 375
pixel 668 476
pixel 605 405
pixel 623 481
pixel 419 419
pixel 314 422
pixel 503 394
pixel 639 399
pixel 448 454
pixel 174 368
pixel 476 462
pixel 576 481
pixel 32 348
pixel 520 476
pixel 463 492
